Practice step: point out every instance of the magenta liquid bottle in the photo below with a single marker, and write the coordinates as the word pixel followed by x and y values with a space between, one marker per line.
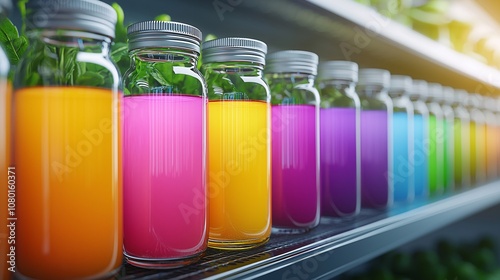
pixel 295 140
pixel 340 139
pixel 376 139
pixel 164 147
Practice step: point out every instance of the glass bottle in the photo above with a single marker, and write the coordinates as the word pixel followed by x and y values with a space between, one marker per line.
pixel 492 148
pixel 295 140
pixel 164 147
pixel 477 140
pixel 239 146
pixel 462 140
pixel 417 95
pixel 444 101
pixel 377 182
pixel 402 139
pixel 5 150
pixel 436 140
pixel 340 139
pixel 66 113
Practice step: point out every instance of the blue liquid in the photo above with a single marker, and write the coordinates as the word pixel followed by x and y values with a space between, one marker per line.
pixel 403 173
pixel 420 156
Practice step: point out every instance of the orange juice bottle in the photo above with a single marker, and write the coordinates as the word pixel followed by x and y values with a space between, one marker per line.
pixel 67 144
pixel 6 266
pixel 239 158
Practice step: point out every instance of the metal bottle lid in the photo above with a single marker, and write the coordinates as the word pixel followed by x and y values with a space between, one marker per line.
pixel 234 50
pixel 339 70
pixel 292 61
pixel 419 89
pixel 400 84
pixel 78 15
pixel 374 77
pixel 164 34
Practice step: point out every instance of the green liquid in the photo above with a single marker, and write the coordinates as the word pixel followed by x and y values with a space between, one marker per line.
pixel 457 129
pixel 447 164
pixel 433 156
pixel 473 154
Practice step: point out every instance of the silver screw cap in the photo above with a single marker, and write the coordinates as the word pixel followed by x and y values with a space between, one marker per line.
pixel 338 70
pixel 234 50
pixel 292 61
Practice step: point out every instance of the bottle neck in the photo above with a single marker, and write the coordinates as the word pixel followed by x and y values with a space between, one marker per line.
pixel 165 55
pixel 68 39
pixel 236 67
pixel 371 91
pixel 291 78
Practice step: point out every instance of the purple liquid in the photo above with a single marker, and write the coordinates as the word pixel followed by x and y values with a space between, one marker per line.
pixel 295 189
pixel 375 188
pixel 340 194
pixel 164 177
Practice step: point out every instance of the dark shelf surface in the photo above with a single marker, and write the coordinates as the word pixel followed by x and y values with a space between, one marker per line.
pixel 335 245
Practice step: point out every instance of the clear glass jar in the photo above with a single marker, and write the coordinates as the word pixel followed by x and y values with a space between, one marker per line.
pixel 462 140
pixel 340 139
pixel 449 138
pixel 402 139
pixel 164 147
pixel 417 95
pixel 477 140
pixel 377 182
pixel 492 151
pixel 66 113
pixel 5 157
pixel 239 146
pixel 436 140
pixel 295 140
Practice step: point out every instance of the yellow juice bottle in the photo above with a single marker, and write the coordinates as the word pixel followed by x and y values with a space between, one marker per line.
pixel 239 143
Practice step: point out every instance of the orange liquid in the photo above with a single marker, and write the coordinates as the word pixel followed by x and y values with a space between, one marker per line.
pixel 5 162
pixel 69 189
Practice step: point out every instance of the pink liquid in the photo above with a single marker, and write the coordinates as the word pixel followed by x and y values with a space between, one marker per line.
pixel 164 177
pixel 295 167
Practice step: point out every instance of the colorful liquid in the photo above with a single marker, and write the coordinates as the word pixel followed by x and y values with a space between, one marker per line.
pixel 478 152
pixel 340 181
pixel 447 156
pixel 458 165
pixel 70 192
pixel 436 162
pixel 376 189
pixel 466 153
pixel 164 187
pixel 420 158
pixel 492 151
pixel 5 162
pixel 295 167
pixel 239 173
pixel 403 172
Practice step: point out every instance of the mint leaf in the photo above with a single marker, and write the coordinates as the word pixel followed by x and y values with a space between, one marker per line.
pixel 14 45
pixel 120 29
pixel 163 17
pixel 90 79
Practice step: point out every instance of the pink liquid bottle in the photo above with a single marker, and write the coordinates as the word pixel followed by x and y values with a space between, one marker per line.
pixel 164 147
pixel 377 175
pixel 340 139
pixel 295 140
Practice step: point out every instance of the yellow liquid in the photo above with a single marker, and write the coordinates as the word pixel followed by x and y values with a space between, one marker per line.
pixel 492 151
pixel 69 189
pixel 239 174
pixel 478 153
pixel 473 154
pixel 5 162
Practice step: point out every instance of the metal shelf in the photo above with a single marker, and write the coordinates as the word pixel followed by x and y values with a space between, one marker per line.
pixel 334 246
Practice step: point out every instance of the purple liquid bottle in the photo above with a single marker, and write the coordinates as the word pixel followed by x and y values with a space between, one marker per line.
pixel 376 139
pixel 295 141
pixel 340 139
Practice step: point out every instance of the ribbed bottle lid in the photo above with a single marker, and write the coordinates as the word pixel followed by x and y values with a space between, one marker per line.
pixel 164 34
pixel 400 83
pixel 461 97
pixel 448 95
pixel 5 6
pixel 234 49
pixel 374 77
pixel 79 15
pixel 474 100
pixel 338 70
pixel 292 61
pixel 419 89
pixel 435 91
